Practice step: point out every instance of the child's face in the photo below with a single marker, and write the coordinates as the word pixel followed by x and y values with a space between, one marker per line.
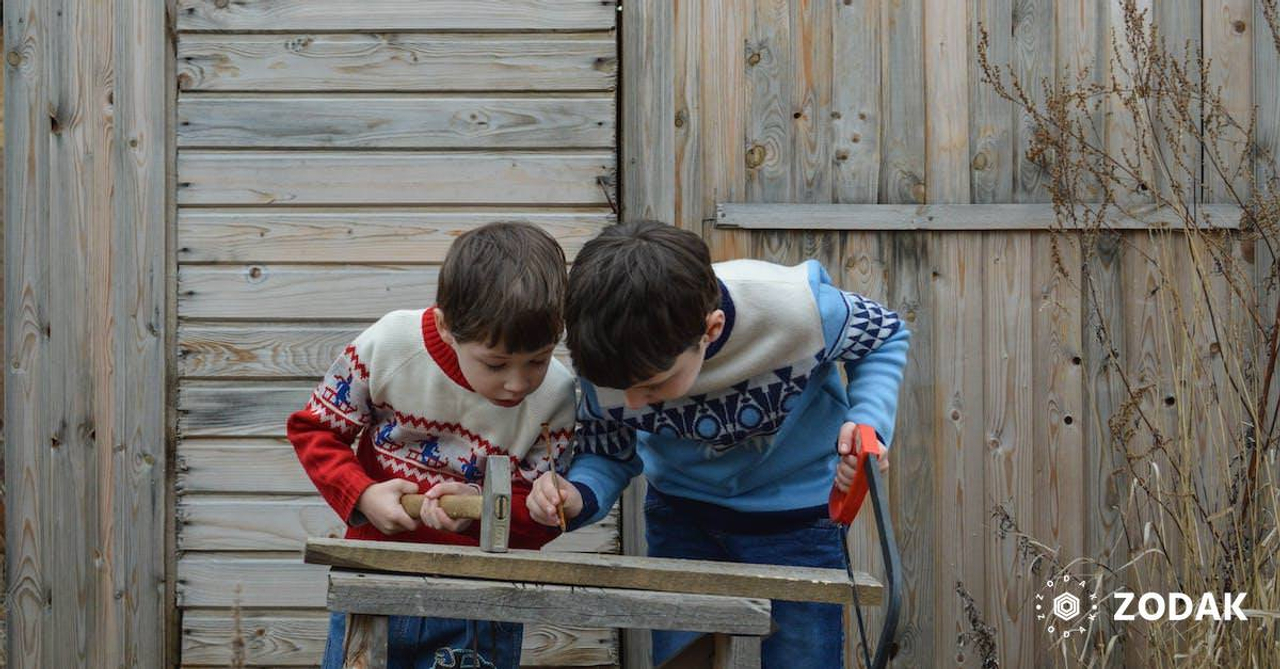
pixel 676 380
pixel 500 376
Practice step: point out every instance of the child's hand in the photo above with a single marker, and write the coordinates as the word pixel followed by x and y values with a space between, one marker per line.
pixel 845 445
pixel 380 504
pixel 435 517
pixel 546 493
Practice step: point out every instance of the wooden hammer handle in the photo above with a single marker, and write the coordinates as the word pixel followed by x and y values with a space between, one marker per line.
pixel 456 506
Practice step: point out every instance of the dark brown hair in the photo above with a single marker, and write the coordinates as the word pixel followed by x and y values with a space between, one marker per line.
pixel 504 283
pixel 639 296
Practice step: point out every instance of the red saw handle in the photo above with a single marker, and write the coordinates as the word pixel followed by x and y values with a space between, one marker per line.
pixel 843 508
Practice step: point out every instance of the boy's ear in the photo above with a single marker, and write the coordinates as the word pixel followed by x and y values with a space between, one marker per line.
pixel 442 328
pixel 715 325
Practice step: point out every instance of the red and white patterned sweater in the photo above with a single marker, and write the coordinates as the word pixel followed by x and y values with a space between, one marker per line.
pixel 397 389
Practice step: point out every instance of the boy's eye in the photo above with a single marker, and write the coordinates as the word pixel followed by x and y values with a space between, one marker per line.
pixel 539 363
pixel 495 368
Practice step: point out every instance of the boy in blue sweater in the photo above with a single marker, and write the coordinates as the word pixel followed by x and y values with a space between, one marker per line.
pixel 720 384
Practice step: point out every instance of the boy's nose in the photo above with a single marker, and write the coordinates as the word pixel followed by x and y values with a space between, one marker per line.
pixel 516 384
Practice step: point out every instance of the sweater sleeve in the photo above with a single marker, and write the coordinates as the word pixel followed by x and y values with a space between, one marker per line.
pixel 871 342
pixel 536 463
pixel 605 461
pixel 322 433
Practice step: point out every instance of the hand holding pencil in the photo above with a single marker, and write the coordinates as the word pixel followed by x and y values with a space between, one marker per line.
pixel 554 500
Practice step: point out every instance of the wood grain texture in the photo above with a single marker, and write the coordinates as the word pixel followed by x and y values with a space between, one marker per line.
pixel 296 637
pixel 648 111
pixel 365 643
pixel 372 121
pixel 855 101
pixel 213 409
pixel 503 600
pixel 736 652
pixel 28 430
pixel 361 293
pixel 395 62
pixel 950 217
pixel 615 571
pixel 375 236
pixel 724 107
pixel 389 15
pixel 391 178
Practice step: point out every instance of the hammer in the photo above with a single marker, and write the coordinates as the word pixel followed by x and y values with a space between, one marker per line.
pixel 492 507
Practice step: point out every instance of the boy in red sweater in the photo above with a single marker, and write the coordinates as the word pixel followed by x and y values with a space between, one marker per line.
pixel 425 396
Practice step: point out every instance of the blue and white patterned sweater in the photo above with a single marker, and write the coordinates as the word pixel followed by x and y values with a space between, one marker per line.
pixel 757 432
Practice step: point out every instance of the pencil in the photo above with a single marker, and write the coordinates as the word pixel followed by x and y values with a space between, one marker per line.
pixel 551 459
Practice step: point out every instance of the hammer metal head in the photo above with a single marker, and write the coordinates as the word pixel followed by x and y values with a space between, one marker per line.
pixel 495 514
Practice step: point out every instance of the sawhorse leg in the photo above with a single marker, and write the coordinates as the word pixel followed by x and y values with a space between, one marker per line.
pixel 718 651
pixel 365 643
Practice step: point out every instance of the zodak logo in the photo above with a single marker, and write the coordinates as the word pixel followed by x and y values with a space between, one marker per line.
pixel 1067 606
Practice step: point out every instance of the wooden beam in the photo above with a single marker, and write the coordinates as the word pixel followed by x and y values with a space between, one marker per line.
pixel 947 217
pixel 365 643
pixel 502 600
pixel 389 15
pixel 804 584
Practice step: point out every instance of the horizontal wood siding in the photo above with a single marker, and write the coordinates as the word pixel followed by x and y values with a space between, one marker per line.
pixel 328 153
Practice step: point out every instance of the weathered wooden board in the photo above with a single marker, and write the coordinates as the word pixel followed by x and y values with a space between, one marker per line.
pixel 297 637
pixel 403 121
pixel 228 408
pixel 648 138
pixel 394 594
pixel 945 217
pixel 388 15
pixel 303 292
pixel 392 178
pixel 395 62
pixel 269 350
pixel 250 522
pixel 376 236
pixel 615 571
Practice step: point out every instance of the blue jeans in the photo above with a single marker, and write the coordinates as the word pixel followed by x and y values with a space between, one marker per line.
pixel 806 635
pixel 437 643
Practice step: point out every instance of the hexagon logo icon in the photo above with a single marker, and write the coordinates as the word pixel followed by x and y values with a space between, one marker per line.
pixel 1066 606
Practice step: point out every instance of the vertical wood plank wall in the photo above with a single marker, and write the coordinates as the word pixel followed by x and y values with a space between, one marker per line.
pixel 1007 393
pixel 327 154
pixel 84 332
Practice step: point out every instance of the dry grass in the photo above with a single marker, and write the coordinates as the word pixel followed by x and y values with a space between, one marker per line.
pixel 1192 438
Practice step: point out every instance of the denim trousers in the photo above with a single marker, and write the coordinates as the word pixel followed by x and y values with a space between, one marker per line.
pixel 437 643
pixel 806 635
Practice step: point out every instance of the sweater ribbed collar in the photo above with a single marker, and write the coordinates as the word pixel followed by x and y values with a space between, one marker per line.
pixel 444 355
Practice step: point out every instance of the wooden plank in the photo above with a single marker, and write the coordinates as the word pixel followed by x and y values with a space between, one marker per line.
pixel 811 101
pixel 855 104
pixel 364 646
pixel 228 581
pixel 770 131
pixel 503 600
pixel 391 178
pixel 376 236
pixel 648 138
pixel 390 15
pixel 586 569
pixel 990 159
pixel 269 350
pixel 961 507
pixel 27 301
pixel 264 466
pixel 401 122
pixel 902 169
pixel 277 523
pixel 950 217
pixel 361 293
pixel 1033 48
pixel 297 637
pixel 395 62
pixel 688 46
pixel 722 100
pixel 1266 64
pixel 1009 427
pixel 213 409
pixel 1228 42
pixel 901 181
